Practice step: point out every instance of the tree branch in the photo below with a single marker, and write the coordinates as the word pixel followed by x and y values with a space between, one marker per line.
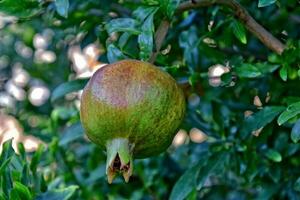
pixel 160 35
pixel 240 12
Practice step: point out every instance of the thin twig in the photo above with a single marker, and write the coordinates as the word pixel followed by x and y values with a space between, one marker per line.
pixel 240 12
pixel 160 35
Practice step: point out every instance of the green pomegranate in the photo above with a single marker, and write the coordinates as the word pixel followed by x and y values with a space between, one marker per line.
pixel 131 109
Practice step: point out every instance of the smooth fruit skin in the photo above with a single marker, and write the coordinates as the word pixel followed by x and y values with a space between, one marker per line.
pixel 135 101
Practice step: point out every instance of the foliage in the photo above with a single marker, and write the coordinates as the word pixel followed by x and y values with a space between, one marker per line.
pixel 250 114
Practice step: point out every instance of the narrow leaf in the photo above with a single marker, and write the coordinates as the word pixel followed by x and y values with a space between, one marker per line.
pixel 273 155
pixel 123 25
pixel 70 134
pixel 239 31
pixel 62 7
pixel 36 159
pixel 212 164
pixel 58 194
pixel 7 152
pixel 263 3
pixel 260 119
pixel 185 185
pixel 141 13
pixel 283 73
pixel 4 165
pixel 188 41
pixel 248 71
pixel 22 190
pixel 68 87
pixel 171 7
pixel 145 39
pixel 291 111
pixel 297 185
pixel 8 180
pixel 20 8
pixel 295 134
pixel 114 54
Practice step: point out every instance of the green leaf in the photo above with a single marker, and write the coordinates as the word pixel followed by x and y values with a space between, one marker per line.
pixel 151 2
pixel 20 8
pixel 248 71
pixel 188 40
pixel 8 180
pixel 185 184
pixel 4 164
pixel 58 194
pixel 123 40
pixel 291 111
pixel 193 195
pixel 145 39
pixel 141 13
pixel 273 155
pixel 36 159
pixel 283 73
pixel 114 54
pixel 25 178
pixel 123 25
pixel 226 78
pixel 14 195
pixel 263 3
pixel 68 87
pixel 213 163
pixel 239 31
pixel 62 7
pixel 266 67
pixel 171 7
pixel 2 197
pixel 21 150
pixel 195 177
pixel 22 190
pixel 70 134
pixel 297 185
pixel 295 134
pixel 7 152
pixel 63 113
pixel 260 119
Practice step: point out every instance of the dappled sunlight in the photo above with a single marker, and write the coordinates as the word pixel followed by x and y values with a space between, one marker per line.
pixel 85 62
pixel 215 72
pixel 42 56
pixel 197 136
pixel 40 41
pixel 210 25
pixel 257 132
pixel 6 100
pixel 193 100
pixel 180 138
pixel 38 95
pixel 20 77
pixel 23 50
pixel 210 42
pixel 4 61
pixel 257 102
pixel 247 113
pixel 10 128
pixel 17 92
pixel 5 19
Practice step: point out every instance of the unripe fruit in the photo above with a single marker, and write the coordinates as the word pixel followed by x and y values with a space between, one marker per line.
pixel 131 109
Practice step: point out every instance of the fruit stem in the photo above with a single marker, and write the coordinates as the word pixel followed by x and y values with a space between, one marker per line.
pixel 119 159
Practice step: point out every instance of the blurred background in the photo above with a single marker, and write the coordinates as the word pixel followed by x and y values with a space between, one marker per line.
pixel 229 145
